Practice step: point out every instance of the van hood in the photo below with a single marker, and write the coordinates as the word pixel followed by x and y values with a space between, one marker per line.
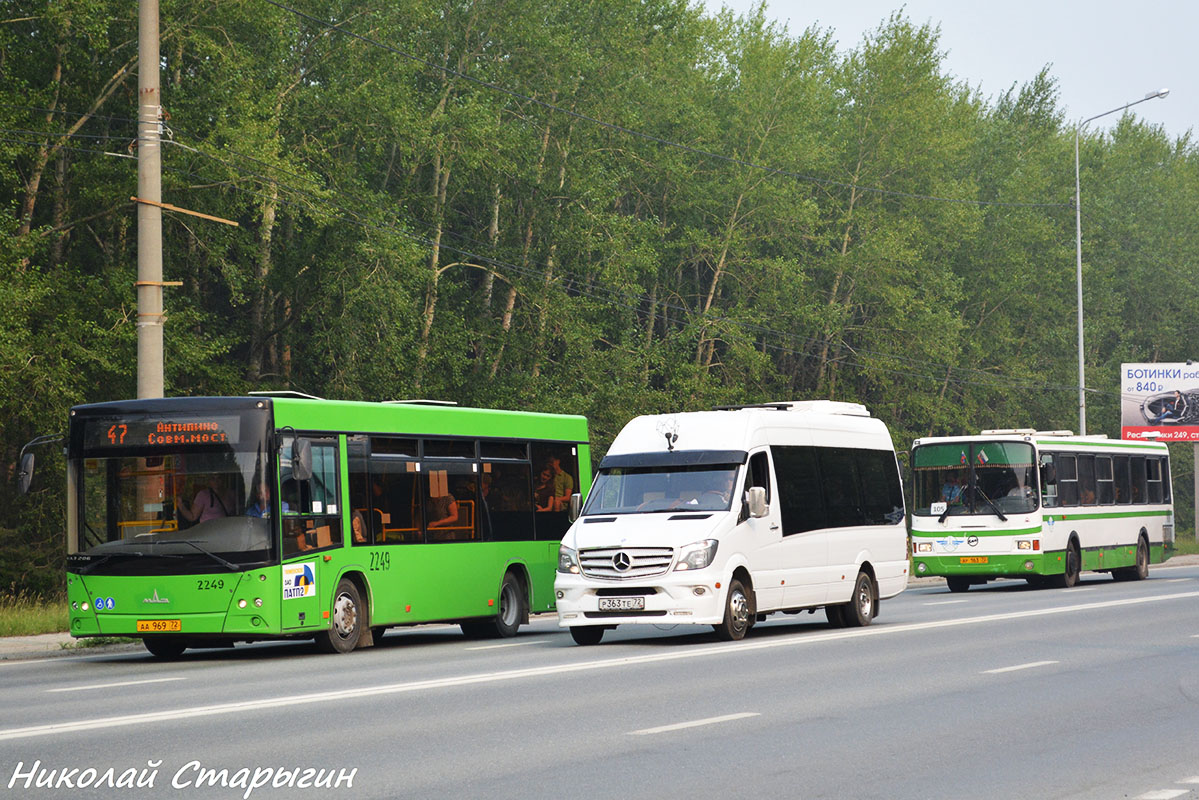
pixel 668 529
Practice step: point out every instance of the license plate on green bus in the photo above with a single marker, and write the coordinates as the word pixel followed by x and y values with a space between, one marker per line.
pixel 973 560
pixel 159 625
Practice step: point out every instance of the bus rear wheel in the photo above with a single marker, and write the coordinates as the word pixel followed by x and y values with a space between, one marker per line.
pixel 346 620
pixel 508 618
pixel 1138 571
pixel 1072 569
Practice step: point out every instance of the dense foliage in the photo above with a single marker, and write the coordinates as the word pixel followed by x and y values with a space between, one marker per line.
pixel 604 207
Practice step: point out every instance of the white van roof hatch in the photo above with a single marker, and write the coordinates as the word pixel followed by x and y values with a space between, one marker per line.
pixel 810 406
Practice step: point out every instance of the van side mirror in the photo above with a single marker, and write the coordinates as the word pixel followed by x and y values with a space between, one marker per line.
pixel 576 505
pixel 756 497
pixel 301 459
pixel 25 476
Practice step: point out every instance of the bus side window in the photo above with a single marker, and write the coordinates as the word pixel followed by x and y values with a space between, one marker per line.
pixel 1123 475
pixel 1138 479
pixel 1049 497
pixel 1067 479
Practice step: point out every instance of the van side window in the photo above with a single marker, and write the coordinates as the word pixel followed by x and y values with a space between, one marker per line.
pixel 801 503
pixel 759 473
pixel 837 487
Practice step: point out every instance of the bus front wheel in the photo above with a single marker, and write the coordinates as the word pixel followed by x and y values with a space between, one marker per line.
pixel 164 648
pixel 346 621
pixel 957 583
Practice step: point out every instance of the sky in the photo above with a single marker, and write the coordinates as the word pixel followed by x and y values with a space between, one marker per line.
pixel 1104 53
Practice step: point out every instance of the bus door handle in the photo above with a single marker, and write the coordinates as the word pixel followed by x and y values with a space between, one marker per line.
pixel 774 527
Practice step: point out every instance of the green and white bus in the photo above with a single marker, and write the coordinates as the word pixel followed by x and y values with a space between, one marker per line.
pixel 206 521
pixel 1039 505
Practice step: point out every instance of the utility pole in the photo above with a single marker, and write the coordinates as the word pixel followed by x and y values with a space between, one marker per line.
pixel 149 216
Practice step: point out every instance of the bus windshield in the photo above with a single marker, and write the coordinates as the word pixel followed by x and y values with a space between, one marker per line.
pixel 184 500
pixel 978 478
pixel 647 490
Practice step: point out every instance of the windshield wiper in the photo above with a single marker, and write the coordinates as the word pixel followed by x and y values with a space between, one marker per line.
pixel 991 503
pixel 229 565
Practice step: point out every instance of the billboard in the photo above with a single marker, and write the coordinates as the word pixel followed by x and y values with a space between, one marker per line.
pixel 1161 400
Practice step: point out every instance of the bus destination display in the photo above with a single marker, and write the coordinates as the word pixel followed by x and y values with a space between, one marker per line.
pixel 161 432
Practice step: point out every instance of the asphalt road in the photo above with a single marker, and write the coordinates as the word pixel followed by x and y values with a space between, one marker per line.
pixel 1004 691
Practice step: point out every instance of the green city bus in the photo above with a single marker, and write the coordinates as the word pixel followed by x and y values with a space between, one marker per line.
pixel 201 522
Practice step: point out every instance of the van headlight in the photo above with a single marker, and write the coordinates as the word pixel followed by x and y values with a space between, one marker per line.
pixel 568 561
pixel 697 555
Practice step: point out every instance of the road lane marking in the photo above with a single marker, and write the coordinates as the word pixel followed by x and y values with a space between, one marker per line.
pixel 742 648
pixel 1176 580
pixel 1162 794
pixel 1029 665
pixel 1192 779
pixel 678 726
pixel 946 602
pixel 508 644
pixel 114 685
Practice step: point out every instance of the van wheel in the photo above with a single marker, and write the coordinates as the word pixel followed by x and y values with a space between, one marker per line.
pixel 587 634
pixel 738 610
pixel 346 621
pixel 859 612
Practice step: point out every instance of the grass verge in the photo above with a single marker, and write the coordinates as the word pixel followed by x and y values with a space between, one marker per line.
pixel 28 615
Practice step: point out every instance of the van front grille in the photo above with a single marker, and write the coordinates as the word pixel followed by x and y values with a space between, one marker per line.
pixel 620 563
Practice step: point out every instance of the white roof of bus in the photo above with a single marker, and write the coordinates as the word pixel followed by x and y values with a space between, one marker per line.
pixel 1050 438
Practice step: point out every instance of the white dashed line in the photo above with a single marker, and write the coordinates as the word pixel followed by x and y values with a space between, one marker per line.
pixel 113 685
pixel 1030 665
pixel 678 726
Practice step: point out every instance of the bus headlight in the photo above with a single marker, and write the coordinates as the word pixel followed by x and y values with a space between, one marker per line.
pixel 1024 544
pixel 697 555
pixel 567 560
pixel 924 547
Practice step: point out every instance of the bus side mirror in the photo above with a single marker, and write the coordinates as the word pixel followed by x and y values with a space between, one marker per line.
pixel 301 459
pixel 756 497
pixel 576 504
pixel 25 476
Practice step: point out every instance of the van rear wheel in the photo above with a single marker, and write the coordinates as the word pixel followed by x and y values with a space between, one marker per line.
pixel 859 612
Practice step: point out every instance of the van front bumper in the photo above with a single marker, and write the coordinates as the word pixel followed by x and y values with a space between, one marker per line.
pixel 676 598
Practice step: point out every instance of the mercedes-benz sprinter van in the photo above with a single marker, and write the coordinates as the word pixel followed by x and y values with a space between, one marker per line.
pixel 723 517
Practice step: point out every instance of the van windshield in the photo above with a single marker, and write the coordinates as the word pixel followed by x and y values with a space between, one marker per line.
pixel 649 490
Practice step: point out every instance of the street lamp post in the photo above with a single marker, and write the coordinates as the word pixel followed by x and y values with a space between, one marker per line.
pixel 1082 392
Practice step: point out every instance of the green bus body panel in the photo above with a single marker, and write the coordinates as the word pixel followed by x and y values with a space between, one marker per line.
pixel 416 583
pixel 1044 563
pixel 426 420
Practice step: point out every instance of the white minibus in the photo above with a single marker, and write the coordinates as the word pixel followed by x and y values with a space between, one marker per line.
pixel 723 517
